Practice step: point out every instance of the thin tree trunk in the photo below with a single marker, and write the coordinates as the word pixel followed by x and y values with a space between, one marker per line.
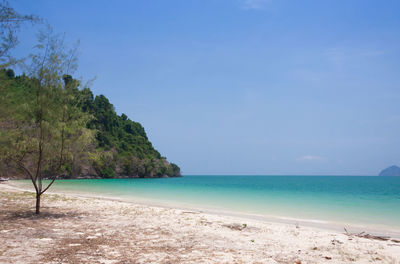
pixel 38 203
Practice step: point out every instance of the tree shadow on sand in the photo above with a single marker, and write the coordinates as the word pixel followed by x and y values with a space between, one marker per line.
pixel 29 214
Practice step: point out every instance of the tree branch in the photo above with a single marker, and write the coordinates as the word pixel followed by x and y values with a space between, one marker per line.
pixel 48 186
pixel 21 166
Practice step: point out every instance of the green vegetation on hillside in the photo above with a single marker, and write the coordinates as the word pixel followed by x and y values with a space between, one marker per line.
pixel 119 147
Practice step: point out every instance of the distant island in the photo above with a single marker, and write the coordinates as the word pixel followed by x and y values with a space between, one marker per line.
pixel 391 171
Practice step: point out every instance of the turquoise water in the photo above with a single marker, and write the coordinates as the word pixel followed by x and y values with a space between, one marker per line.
pixel 345 199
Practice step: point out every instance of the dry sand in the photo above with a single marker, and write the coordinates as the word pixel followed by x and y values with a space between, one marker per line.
pixel 75 229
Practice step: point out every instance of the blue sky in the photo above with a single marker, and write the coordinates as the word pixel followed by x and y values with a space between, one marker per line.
pixel 245 86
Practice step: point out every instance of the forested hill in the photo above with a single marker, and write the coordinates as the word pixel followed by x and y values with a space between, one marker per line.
pixel 118 147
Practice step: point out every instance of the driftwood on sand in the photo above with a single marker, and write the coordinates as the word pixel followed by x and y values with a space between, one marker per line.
pixel 238 227
pixel 369 236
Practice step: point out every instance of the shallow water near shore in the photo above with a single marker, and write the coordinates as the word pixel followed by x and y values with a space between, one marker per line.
pixel 359 200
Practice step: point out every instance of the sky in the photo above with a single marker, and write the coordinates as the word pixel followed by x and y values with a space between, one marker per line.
pixel 268 87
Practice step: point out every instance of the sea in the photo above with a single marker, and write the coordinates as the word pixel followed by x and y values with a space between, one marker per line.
pixel 322 200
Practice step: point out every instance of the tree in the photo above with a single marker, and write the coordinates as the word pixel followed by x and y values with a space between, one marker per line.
pixel 10 22
pixel 47 123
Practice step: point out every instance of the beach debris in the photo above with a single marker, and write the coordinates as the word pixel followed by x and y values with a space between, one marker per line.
pixel 366 235
pixel 238 227
pixel 205 222
pixel 284 258
pixel 190 212
pixel 335 241
pixel 328 258
pixel 395 240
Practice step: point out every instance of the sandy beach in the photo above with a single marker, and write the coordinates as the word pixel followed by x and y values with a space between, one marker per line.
pixel 74 229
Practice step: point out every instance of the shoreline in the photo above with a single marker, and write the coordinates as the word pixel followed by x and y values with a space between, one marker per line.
pixel 74 229
pixel 340 227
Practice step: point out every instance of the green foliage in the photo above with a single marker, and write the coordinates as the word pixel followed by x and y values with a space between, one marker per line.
pixel 44 128
pixel 119 132
pixel 50 124
pixel 103 163
pixel 114 145
pixel 134 155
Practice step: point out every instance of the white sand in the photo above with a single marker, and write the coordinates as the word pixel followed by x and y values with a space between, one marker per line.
pixel 89 230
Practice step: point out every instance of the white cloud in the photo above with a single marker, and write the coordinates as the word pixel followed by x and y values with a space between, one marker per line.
pixel 255 4
pixel 310 158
